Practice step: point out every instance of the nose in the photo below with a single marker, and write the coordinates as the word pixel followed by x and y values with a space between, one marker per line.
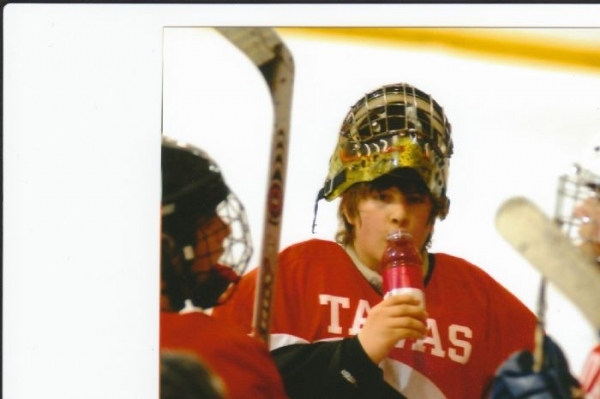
pixel 399 214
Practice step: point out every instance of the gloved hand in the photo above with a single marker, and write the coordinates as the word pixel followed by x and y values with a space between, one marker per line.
pixel 516 378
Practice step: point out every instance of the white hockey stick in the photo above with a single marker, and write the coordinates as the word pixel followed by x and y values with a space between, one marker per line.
pixel 541 242
pixel 274 60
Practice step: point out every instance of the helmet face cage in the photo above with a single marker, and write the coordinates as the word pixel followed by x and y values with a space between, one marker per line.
pixel 394 126
pixel 206 222
pixel 220 256
pixel 582 186
pixel 237 246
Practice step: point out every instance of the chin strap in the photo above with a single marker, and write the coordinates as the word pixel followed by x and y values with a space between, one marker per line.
pixel 320 196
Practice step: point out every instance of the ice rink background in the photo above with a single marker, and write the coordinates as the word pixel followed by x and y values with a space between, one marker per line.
pixel 83 109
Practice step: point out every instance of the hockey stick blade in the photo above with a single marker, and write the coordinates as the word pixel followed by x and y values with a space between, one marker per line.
pixel 274 60
pixel 541 242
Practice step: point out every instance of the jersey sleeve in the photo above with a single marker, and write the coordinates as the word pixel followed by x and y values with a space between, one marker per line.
pixel 331 370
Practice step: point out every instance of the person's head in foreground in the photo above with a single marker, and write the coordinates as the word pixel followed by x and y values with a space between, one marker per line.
pixel 184 376
pixel 205 239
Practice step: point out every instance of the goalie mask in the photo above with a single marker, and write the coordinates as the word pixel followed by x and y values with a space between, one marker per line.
pixel 395 126
pixel 206 242
pixel 578 206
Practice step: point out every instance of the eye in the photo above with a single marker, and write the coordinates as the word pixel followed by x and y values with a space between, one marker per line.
pixel 416 198
pixel 383 196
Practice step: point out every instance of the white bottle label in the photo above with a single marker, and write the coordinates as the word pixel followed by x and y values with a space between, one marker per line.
pixel 414 292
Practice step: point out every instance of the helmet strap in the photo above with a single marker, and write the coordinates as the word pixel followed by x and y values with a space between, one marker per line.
pixel 320 196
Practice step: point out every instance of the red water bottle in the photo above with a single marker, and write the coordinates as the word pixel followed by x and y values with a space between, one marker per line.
pixel 401 266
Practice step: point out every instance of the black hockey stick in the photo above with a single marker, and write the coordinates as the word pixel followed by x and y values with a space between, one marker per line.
pixel 540 240
pixel 270 55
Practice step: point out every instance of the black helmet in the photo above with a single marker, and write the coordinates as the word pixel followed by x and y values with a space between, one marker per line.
pixel 194 193
pixel 191 181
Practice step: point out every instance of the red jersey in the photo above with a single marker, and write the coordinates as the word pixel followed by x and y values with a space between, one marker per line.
pixel 474 323
pixel 243 362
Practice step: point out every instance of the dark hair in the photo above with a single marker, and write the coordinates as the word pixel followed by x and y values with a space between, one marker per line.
pixel 184 376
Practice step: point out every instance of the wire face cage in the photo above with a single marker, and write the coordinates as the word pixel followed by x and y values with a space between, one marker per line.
pixel 237 245
pixel 578 208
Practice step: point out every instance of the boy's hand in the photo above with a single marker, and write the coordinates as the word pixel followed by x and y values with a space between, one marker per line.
pixel 394 318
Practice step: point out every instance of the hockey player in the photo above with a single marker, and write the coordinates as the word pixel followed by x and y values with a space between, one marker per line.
pixel 578 205
pixel 579 210
pixel 546 372
pixel 205 247
pixel 333 335
pixel 589 213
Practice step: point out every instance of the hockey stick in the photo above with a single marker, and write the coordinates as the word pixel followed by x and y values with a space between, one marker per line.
pixel 537 238
pixel 274 60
